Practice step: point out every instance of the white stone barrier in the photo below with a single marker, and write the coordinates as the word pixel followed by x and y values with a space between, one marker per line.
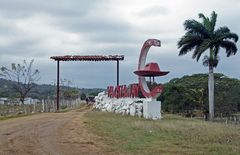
pixel 128 106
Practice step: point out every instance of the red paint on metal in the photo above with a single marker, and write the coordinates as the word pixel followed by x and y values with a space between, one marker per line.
pixel 110 91
pixel 134 88
pixel 88 58
pixel 85 58
pixel 122 91
pixel 151 70
pixel 117 72
pixel 57 85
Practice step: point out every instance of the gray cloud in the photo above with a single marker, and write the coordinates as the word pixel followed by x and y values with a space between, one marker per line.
pixel 93 24
pixel 153 11
pixel 31 29
pixel 21 47
pixel 95 29
pixel 26 8
pixel 99 29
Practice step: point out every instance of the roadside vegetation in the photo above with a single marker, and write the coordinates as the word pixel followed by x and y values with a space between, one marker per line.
pixel 23 75
pixel 203 37
pixel 171 135
pixel 188 95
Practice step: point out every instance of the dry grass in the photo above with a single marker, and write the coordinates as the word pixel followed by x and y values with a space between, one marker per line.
pixel 171 135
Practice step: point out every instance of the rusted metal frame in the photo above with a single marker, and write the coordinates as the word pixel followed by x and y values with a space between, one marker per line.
pixel 60 58
pixel 117 72
pixel 88 58
pixel 57 85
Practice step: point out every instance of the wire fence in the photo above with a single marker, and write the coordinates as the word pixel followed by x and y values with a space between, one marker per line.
pixel 45 105
pixel 232 119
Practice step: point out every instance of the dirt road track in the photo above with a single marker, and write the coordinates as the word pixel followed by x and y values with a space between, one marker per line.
pixel 48 134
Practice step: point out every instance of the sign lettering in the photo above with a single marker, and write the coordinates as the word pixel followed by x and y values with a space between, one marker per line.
pixel 122 91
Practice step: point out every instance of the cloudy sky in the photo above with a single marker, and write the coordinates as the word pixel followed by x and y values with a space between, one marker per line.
pixel 38 29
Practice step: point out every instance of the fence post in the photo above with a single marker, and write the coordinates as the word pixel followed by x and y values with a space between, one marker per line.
pixel 43 110
pixel 34 107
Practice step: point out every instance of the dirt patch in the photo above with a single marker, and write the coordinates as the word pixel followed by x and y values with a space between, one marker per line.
pixel 49 133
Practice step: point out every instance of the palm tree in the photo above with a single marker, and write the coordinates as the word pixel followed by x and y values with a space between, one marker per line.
pixel 201 37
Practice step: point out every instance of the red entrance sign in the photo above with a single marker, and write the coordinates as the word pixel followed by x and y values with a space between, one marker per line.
pixel 123 91
pixel 144 70
pixel 149 70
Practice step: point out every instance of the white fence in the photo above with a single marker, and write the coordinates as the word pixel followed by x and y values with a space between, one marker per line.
pixel 51 105
pixel 46 105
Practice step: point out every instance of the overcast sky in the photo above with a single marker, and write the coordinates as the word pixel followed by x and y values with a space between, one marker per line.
pixel 38 29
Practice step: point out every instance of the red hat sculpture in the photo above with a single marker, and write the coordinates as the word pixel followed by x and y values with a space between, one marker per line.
pixel 150 70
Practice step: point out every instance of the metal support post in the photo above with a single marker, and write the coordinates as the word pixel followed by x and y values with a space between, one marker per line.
pixel 58 85
pixel 117 72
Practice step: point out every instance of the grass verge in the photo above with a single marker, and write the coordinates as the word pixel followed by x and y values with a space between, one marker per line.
pixel 171 135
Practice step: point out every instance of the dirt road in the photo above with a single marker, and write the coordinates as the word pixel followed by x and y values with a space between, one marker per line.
pixel 48 134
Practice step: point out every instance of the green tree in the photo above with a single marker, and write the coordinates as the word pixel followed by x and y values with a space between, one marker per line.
pixel 83 96
pixel 71 93
pixel 23 76
pixel 202 37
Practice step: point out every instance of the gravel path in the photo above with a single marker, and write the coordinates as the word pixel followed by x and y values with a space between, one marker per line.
pixel 48 134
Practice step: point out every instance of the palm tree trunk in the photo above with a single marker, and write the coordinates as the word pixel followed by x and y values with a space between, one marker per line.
pixel 211 93
pixel 211 88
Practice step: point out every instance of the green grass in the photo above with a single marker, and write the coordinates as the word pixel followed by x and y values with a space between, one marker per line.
pixel 171 135
pixel 66 109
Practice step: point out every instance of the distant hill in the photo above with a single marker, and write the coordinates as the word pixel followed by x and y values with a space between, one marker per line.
pixel 41 91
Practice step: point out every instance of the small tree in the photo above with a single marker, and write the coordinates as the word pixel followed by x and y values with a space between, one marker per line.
pixel 71 93
pixel 23 76
pixel 83 96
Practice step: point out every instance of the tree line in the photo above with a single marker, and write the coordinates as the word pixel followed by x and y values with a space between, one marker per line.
pixel 204 38
pixel 189 95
